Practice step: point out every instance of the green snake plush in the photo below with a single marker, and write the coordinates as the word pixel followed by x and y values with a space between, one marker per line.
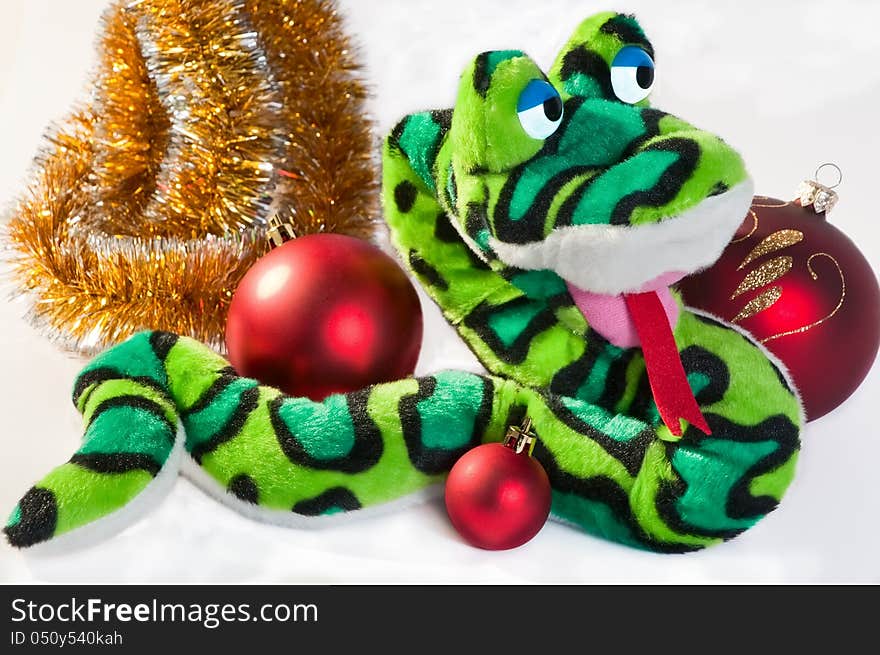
pixel 528 212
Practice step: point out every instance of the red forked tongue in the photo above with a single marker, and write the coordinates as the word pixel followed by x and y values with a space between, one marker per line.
pixel 669 384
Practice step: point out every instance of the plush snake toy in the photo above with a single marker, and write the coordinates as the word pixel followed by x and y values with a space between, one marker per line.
pixel 534 213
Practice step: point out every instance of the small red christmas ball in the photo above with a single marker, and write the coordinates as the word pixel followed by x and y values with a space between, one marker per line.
pixel 497 499
pixel 324 314
pixel 802 288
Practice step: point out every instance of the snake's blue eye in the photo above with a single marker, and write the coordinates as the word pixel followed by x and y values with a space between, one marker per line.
pixel 539 109
pixel 632 74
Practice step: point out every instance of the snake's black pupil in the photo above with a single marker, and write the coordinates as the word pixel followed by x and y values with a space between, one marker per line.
pixel 645 76
pixel 553 108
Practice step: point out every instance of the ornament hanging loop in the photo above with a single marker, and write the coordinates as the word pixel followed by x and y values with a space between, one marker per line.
pixel 822 197
pixel 829 164
pixel 520 438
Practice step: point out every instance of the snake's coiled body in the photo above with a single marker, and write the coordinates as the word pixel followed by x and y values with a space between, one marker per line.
pixel 465 195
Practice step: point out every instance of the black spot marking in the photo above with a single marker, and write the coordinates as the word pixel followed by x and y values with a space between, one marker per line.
pixel 696 359
pixel 532 225
pixel 629 453
pixel 443 118
pixel 669 184
pixel 135 402
pixel 365 452
pixel 615 381
pixel 781 377
pixel 588 63
pixel 247 403
pixel 476 220
pixel 422 155
pixel 91 379
pixel 627 29
pixel 405 196
pixel 606 491
pixel 244 488
pixel 651 118
pixel 438 460
pixel 643 406
pixel 516 352
pixel 714 322
pixel 117 462
pixel 427 273
pixel 481 74
pixel 162 343
pixel 227 377
pixel 451 189
pixel 741 504
pixel 565 214
pixel 444 230
pixel 335 498
pixel 569 379
pixel 39 517
pixel 665 501
pixel 396 133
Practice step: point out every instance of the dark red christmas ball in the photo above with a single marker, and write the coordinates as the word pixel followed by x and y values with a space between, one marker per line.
pixel 497 499
pixel 805 291
pixel 323 314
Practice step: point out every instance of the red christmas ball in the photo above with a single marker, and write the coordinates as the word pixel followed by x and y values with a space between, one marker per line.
pixel 323 314
pixel 497 499
pixel 805 291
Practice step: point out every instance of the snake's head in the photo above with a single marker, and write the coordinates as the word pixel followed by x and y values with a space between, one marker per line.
pixel 573 172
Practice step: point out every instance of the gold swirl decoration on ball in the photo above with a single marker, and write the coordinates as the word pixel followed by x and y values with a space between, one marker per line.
pixel 765 274
pixel 764 201
pixel 759 303
pixel 773 270
pixel 777 241
pixel 206 119
pixel 755 222
pixel 759 202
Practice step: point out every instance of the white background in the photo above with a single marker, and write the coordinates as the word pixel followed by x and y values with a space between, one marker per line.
pixel 790 84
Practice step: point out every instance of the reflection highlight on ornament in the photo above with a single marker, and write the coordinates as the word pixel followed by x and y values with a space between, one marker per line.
pixel 351 332
pixel 815 276
pixel 273 281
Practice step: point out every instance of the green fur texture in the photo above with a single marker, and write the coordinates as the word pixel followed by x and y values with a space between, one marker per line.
pixel 459 186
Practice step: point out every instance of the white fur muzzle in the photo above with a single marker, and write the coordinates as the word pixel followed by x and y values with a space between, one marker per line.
pixel 613 259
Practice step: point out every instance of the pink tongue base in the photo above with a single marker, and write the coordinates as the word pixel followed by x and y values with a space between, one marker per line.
pixel 636 319
pixel 609 316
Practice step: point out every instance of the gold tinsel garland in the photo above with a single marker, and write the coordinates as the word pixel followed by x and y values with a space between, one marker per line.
pixel 207 117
